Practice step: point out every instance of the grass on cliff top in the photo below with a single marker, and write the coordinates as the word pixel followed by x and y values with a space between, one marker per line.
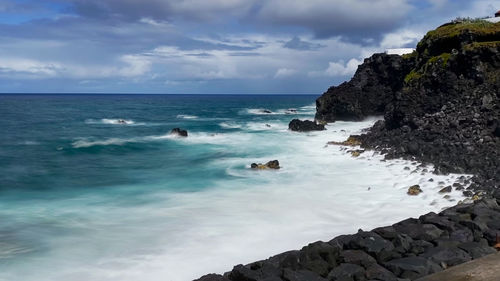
pixel 478 45
pixel 477 26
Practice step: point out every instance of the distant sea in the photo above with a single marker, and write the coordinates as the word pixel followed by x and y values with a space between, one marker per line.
pixel 85 196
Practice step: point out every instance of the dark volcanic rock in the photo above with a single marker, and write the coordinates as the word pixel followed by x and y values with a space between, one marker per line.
pixel 412 267
pixel 347 271
pixel 368 92
pixel 305 126
pixel 440 104
pixel 179 132
pixel 212 277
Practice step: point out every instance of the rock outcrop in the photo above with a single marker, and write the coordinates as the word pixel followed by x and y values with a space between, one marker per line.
pixel 305 126
pixel 440 103
pixel 179 132
pixel 273 164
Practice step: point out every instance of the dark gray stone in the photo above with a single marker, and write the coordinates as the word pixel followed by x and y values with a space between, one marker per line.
pixel 412 267
pixel 347 271
pixel 301 275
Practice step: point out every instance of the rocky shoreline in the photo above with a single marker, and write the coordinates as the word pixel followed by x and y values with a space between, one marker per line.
pixel 440 106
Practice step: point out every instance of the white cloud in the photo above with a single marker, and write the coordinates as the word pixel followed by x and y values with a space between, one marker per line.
pixel 401 38
pixel 29 66
pixel 285 72
pixel 339 68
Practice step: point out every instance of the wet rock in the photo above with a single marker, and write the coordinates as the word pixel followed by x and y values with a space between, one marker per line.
pixel 356 152
pixel 414 190
pixel 319 257
pixel 305 126
pixel 266 111
pixel 274 164
pixel 445 189
pixel 179 132
pixel 212 277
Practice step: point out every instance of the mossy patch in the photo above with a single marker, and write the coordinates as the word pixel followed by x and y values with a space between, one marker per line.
pixel 480 45
pixel 412 76
pixel 444 57
pixel 476 26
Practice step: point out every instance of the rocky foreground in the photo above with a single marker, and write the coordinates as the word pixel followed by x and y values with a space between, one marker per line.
pixel 440 106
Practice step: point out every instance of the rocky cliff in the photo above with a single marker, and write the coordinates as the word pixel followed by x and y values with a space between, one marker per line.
pixel 440 103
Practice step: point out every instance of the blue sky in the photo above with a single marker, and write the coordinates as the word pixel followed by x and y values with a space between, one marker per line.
pixel 206 46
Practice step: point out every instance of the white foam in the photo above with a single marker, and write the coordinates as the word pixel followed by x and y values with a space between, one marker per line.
pixel 121 122
pixel 186 116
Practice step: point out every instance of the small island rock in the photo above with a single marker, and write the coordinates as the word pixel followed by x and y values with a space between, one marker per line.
pixel 274 164
pixel 305 126
pixel 180 132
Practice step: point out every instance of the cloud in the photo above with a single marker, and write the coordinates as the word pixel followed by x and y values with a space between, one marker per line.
pixel 297 44
pixel 285 72
pixel 339 68
pixel 401 38
pixel 347 18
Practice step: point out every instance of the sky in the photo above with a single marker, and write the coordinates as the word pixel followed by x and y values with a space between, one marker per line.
pixel 206 46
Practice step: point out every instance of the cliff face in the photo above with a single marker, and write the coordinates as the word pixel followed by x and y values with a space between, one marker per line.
pixel 369 91
pixel 440 103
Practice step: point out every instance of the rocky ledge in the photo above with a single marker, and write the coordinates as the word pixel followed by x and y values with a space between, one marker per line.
pixel 407 250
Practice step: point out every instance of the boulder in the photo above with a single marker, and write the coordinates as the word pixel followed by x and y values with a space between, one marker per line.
pixel 179 132
pixel 445 189
pixel 274 164
pixel 412 267
pixel 305 126
pixel 414 190
pixel 301 275
pixel 347 271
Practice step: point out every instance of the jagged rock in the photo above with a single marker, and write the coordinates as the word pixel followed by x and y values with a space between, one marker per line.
pixel 180 132
pixel 448 256
pixel 414 190
pixel 305 126
pixel 445 189
pixel 274 164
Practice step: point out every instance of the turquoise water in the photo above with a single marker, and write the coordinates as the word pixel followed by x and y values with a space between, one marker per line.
pixel 85 197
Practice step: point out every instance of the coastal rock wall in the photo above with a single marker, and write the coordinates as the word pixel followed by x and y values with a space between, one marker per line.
pixel 408 250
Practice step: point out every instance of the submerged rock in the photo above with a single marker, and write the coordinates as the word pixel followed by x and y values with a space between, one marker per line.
pixel 414 190
pixel 274 164
pixel 305 126
pixel 180 132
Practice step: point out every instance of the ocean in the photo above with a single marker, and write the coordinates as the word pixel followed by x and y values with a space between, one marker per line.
pixel 85 196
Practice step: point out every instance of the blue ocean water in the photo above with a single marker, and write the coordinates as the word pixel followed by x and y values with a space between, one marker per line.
pixel 84 196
